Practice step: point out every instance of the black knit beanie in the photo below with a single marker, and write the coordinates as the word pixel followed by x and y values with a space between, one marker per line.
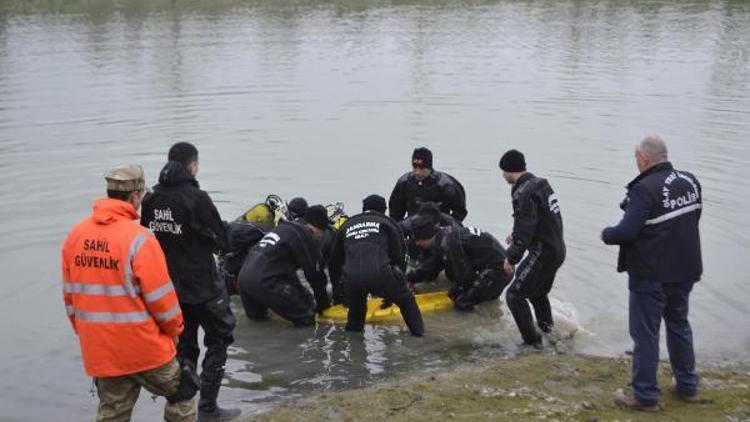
pixel 422 157
pixel 423 227
pixel 375 203
pixel 513 162
pixel 317 216
pixel 297 207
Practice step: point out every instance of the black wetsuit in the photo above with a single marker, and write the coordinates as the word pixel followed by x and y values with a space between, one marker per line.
pixel 438 187
pixel 537 227
pixel 268 278
pixel 368 255
pixel 243 235
pixel 473 261
pixel 427 262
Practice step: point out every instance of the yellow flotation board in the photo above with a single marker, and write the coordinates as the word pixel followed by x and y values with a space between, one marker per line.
pixel 426 301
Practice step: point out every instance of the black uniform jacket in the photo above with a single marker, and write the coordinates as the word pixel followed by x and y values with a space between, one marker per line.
pixel 282 251
pixel 189 229
pixel 438 187
pixel 366 244
pixel 658 236
pixel 466 252
pixel 536 218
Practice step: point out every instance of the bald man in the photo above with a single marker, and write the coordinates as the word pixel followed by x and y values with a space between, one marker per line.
pixel 660 250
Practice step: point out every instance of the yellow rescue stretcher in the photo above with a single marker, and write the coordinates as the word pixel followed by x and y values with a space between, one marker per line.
pixel 427 302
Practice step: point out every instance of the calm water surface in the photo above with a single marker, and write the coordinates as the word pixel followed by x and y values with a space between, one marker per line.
pixel 327 100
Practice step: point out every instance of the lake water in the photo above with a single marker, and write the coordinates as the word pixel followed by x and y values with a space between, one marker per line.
pixel 327 100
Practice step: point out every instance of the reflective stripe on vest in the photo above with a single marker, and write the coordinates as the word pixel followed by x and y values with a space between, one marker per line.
pixel 114 317
pixel 134 247
pixel 673 214
pixel 167 315
pixel 158 293
pixel 99 289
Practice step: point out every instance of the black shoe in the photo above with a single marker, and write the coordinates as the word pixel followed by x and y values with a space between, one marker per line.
pixel 537 345
pixel 695 398
pixel 220 414
pixel 462 306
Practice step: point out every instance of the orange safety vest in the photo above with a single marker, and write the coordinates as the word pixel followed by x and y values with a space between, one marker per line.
pixel 118 294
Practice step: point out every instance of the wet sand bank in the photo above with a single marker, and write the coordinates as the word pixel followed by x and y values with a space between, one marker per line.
pixel 529 386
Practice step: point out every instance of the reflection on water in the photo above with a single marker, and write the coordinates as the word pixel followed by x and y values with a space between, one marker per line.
pixel 326 99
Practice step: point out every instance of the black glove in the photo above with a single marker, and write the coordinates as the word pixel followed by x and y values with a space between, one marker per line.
pixel 411 277
pixel 190 383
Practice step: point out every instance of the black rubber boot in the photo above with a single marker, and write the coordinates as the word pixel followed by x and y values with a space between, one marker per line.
pixel 219 414
pixel 208 409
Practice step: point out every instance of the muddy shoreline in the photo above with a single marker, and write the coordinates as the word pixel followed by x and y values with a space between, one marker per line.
pixel 529 386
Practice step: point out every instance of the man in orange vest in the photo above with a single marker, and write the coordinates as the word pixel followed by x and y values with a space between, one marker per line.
pixel 122 304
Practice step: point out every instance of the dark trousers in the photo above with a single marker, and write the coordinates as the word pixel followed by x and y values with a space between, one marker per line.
pixel 285 296
pixel 534 278
pixel 217 321
pixel 649 303
pixel 390 284
pixel 488 285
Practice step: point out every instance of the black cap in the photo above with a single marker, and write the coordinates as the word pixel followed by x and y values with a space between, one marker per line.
pixel 513 162
pixel 297 207
pixel 317 216
pixel 375 203
pixel 422 157
pixel 423 227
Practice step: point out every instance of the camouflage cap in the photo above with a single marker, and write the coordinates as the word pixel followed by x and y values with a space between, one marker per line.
pixel 126 178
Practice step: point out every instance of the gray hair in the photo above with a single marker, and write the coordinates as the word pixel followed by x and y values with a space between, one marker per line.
pixel 654 148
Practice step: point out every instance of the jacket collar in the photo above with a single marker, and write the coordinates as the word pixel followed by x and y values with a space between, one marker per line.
pixel 175 173
pixel 108 211
pixel 665 166
pixel 521 180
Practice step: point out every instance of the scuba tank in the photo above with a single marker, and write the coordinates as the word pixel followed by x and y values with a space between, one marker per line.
pixel 336 215
pixel 267 213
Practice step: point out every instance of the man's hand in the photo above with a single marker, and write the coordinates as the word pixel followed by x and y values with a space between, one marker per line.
pixel 509 239
pixel 508 267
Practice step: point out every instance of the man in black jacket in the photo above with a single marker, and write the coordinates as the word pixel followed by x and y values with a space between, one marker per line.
pixel 189 229
pixel 472 258
pixel 537 227
pixel 268 278
pixel 660 249
pixel 368 254
pixel 424 184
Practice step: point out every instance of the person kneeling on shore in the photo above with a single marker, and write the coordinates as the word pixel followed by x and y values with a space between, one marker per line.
pixel 268 278
pixel 472 258
pixel 369 250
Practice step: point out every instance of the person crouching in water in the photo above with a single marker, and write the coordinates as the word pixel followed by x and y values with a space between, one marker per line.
pixel 473 261
pixel 268 278
pixel 368 253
